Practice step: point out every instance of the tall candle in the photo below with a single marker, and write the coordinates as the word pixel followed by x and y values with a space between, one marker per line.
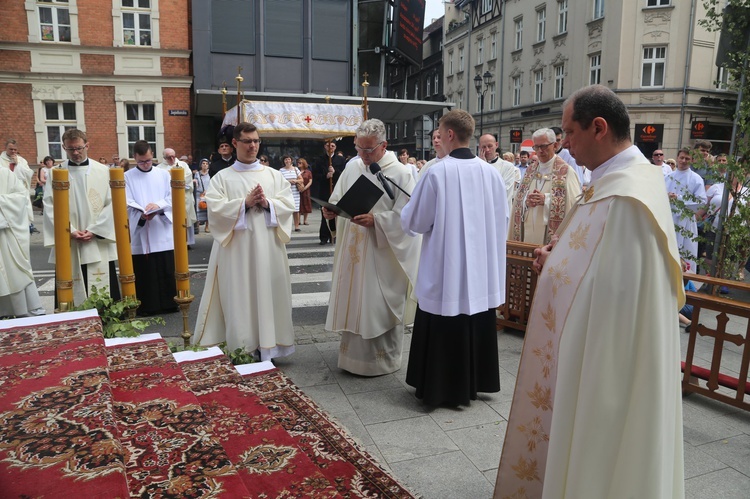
pixel 179 225
pixel 122 232
pixel 63 266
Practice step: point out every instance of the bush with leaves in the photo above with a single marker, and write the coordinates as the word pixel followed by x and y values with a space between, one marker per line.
pixel 733 249
pixel 114 314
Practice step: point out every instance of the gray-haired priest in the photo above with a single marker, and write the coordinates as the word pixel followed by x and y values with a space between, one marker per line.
pixel 373 264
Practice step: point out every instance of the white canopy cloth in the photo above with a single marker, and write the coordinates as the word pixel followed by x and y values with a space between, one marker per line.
pixel 297 119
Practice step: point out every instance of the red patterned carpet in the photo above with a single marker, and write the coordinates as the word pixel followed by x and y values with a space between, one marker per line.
pixel 58 436
pixel 275 432
pixel 78 419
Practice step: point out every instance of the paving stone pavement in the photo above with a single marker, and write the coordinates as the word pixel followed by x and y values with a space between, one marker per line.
pixel 454 453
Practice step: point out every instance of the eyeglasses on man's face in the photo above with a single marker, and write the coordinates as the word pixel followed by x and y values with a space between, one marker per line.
pixel 145 162
pixel 542 146
pixel 249 141
pixel 370 150
pixel 658 154
pixel 75 149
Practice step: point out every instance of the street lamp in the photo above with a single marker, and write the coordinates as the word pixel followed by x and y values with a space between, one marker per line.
pixel 486 78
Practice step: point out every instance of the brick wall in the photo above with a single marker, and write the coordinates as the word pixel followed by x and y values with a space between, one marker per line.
pixel 175 66
pixel 97 64
pixel 15 60
pixel 177 129
pixel 95 23
pixel 15 26
pixel 17 113
pixel 174 32
pixel 101 121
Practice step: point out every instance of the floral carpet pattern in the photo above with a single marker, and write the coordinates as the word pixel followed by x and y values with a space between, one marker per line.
pixel 169 446
pixel 282 441
pixel 79 418
pixel 57 430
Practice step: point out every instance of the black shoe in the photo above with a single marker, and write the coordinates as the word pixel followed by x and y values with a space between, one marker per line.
pixel 322 243
pixel 687 328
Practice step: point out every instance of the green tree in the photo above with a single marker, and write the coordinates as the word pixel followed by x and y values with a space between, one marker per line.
pixel 733 237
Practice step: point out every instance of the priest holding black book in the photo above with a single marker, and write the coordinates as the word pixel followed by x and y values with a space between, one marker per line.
pixel 374 263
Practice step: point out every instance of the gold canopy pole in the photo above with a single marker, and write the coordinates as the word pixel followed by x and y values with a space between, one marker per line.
pixel 365 84
pixel 181 269
pixel 224 100
pixel 122 237
pixel 239 79
pixel 63 266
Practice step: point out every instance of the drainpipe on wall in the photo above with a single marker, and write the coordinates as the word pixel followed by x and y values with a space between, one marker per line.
pixel 687 73
pixel 501 70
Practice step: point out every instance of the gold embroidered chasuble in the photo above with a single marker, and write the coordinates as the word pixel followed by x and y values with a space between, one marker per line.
pixel 537 224
pixel 90 209
pixel 597 405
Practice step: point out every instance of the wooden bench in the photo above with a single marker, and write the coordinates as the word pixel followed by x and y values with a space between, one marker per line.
pixel 712 376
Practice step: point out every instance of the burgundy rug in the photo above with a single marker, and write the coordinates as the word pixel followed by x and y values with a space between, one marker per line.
pixel 283 444
pixel 170 450
pixel 58 436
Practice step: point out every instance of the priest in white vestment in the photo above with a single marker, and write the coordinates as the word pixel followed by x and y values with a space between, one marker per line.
pixel 511 175
pixel 148 193
pixel 549 190
pixel 461 271
pixel 17 164
pixel 171 161
pixel 373 265
pixel 247 300
pixel 687 194
pixel 597 409
pixel 18 294
pixel 93 248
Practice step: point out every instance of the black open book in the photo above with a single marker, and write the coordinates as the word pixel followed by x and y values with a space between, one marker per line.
pixel 358 200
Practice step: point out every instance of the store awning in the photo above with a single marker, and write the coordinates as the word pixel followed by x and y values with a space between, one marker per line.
pixel 208 103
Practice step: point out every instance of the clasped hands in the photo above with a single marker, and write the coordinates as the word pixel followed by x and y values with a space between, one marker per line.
pixel 534 198
pixel 82 235
pixel 542 253
pixel 256 197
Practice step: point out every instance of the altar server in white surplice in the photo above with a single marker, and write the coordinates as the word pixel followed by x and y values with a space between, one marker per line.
pixel 460 207
pixel 686 186
pixel 373 265
pixel 247 301
pixel 18 294
pixel 92 226
pixel 149 196
pixel 597 409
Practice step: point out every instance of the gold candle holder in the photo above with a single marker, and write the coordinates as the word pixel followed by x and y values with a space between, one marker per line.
pixel 63 265
pixel 122 236
pixel 181 267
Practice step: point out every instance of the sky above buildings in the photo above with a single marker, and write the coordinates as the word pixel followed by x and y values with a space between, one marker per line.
pixel 433 10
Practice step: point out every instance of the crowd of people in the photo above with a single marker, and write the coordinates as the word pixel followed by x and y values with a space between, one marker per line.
pixel 614 233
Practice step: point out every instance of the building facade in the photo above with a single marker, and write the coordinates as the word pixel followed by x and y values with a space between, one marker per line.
pixel 293 51
pixel 653 53
pixel 409 82
pixel 119 70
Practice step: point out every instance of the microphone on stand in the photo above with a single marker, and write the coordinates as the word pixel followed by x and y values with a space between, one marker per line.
pixel 375 170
